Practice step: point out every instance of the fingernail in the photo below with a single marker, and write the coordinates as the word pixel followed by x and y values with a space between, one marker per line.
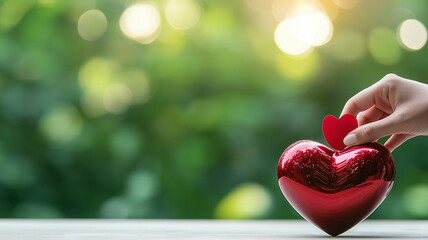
pixel 350 140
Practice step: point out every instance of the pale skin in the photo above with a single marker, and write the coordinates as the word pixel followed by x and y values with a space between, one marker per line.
pixel 393 106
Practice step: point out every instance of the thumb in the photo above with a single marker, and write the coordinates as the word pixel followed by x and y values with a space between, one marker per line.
pixel 370 132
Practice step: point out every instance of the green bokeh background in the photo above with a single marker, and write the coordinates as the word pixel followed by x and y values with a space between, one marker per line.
pixel 212 109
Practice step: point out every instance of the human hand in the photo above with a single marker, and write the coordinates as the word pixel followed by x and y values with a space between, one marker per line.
pixel 392 106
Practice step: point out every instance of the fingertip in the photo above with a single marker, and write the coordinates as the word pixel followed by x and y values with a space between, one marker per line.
pixel 396 140
pixel 350 140
pixel 345 111
pixel 360 119
pixel 360 101
pixel 390 147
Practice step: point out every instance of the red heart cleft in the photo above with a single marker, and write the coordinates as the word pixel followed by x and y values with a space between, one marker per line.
pixel 335 130
pixel 335 190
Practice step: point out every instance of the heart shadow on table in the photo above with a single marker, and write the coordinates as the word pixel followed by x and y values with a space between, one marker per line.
pixel 402 236
pixel 380 237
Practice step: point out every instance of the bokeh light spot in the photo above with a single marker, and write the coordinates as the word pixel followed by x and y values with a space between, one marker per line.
pixel 139 85
pixel 92 24
pixel 12 12
pixel 116 207
pixel 125 144
pixel 117 98
pixel 96 74
pixel 141 22
pixel 247 201
pixel 286 39
pixel 141 185
pixel 94 77
pixel 415 200
pixel 108 88
pixel 62 124
pixel 413 34
pixel 182 14
pixel 306 27
pixel 384 47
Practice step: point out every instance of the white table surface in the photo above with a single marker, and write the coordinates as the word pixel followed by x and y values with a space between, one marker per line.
pixel 12 229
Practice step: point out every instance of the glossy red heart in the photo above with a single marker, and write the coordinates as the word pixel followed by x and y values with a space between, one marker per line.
pixel 335 190
pixel 335 130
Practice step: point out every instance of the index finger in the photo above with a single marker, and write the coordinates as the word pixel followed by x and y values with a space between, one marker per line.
pixel 361 101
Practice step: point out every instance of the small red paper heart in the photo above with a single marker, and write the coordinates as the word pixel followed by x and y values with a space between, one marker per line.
pixel 335 130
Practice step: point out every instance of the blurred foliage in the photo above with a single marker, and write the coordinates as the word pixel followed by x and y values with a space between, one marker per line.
pixel 95 124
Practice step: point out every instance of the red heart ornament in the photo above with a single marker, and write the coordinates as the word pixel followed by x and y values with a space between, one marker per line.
pixel 335 130
pixel 335 190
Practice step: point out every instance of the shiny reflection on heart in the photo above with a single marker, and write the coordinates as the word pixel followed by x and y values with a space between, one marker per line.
pixel 335 189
